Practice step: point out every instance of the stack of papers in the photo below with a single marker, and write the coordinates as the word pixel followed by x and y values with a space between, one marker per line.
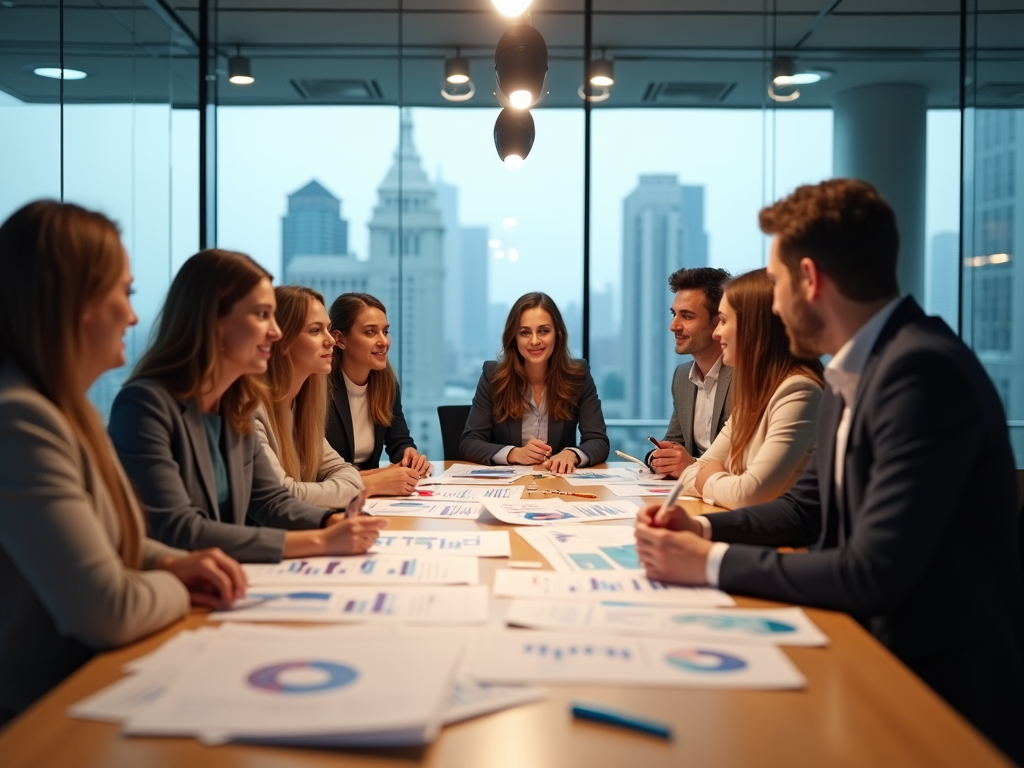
pixel 558 512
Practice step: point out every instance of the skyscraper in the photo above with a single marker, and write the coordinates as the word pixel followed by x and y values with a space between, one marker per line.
pixel 663 230
pixel 313 225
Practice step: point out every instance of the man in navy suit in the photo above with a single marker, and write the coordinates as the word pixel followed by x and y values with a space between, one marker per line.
pixel 910 503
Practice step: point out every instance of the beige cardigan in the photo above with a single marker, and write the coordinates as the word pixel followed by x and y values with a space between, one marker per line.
pixel 337 481
pixel 64 592
pixel 776 456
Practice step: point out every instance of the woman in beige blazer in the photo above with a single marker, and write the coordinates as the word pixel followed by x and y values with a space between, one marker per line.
pixel 769 437
pixel 291 422
pixel 77 573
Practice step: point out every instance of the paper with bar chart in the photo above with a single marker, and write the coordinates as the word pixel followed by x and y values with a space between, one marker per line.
pixel 618 587
pixel 523 656
pixel 416 507
pixel 464 492
pixel 558 512
pixel 755 626
pixel 412 605
pixel 585 547
pixel 459 543
pixel 366 569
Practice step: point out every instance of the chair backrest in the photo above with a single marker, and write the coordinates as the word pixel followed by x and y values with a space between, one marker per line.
pixel 453 422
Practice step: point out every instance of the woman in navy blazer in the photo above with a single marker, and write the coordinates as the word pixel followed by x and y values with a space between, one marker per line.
pixel 529 404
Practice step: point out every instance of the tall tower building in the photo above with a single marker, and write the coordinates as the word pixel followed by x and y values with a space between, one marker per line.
pixel 663 230
pixel 313 225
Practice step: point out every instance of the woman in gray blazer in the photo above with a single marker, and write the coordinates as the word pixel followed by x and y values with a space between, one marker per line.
pixel 529 404
pixel 183 424
pixel 77 573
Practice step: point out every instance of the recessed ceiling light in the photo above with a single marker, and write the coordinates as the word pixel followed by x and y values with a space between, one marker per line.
pixel 511 7
pixel 54 73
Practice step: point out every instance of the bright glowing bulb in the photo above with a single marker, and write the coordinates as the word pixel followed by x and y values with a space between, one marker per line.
pixel 242 79
pixel 54 73
pixel 602 81
pixel 511 7
pixel 510 222
pixel 458 79
pixel 513 161
pixel 513 254
pixel 499 254
pixel 800 78
pixel 521 99
pixel 494 243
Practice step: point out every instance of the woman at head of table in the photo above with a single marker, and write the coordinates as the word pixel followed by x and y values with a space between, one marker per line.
pixel 529 403
pixel 768 440
pixel 365 416
pixel 184 429
pixel 291 420
pixel 77 573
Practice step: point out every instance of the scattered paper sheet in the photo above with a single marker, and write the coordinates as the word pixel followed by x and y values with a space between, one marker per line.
pixel 558 512
pixel 769 626
pixel 311 690
pixel 472 699
pixel 592 659
pixel 366 569
pixel 646 489
pixel 415 507
pixel 466 493
pixel 600 476
pixel 457 543
pixel 475 473
pixel 412 605
pixel 619 587
pixel 585 548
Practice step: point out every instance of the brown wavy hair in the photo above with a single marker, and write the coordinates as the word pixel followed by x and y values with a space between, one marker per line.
pixel 55 259
pixel 382 386
pixel 185 354
pixel 564 377
pixel 302 449
pixel 763 360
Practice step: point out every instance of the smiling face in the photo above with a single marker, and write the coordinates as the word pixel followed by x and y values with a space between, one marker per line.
pixel 692 324
pixel 725 333
pixel 248 332
pixel 535 337
pixel 312 350
pixel 104 322
pixel 366 344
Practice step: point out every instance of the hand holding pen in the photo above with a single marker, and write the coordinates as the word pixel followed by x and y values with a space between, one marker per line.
pixel 669 458
pixel 533 453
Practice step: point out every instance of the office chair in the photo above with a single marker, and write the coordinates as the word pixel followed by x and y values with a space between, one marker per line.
pixel 453 422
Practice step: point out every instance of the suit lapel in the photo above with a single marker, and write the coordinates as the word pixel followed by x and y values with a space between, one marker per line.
pixel 686 417
pixel 554 433
pixel 193 418
pixel 721 392
pixel 515 429
pixel 828 423
pixel 344 412
pixel 232 442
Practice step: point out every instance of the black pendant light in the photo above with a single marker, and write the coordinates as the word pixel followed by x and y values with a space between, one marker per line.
pixel 520 65
pixel 514 133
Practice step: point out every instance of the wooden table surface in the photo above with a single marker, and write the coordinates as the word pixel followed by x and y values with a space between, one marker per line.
pixel 861 707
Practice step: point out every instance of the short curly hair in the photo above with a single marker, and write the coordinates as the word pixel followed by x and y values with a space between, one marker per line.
pixel 846 228
pixel 708 279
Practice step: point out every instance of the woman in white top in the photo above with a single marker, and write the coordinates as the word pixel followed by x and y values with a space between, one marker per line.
pixel 365 416
pixel 769 437
pixel 291 421
pixel 77 573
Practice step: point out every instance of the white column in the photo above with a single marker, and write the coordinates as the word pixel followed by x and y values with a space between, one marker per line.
pixel 880 136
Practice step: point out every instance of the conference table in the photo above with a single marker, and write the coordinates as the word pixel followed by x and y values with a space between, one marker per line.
pixel 861 707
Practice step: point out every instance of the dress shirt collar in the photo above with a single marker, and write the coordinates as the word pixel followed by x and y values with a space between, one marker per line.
pixel 709 378
pixel 845 368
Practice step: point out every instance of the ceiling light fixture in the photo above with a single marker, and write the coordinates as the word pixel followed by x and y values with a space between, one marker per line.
pixel 514 132
pixel 602 72
pixel 238 69
pixel 55 73
pixel 456 69
pixel 783 70
pixel 512 7
pixel 520 65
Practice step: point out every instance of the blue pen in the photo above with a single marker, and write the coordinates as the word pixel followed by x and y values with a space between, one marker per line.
pixel 602 714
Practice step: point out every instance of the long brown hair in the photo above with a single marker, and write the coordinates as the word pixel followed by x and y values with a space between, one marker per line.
pixel 763 360
pixel 55 259
pixel 382 385
pixel 185 355
pixel 564 377
pixel 300 449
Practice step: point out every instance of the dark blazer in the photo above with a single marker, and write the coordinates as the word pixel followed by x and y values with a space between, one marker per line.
pixel 684 399
pixel 483 437
pixel 163 446
pixel 341 436
pixel 922 545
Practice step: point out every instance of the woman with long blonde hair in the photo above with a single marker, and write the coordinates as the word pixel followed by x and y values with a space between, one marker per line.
pixel 530 402
pixel 77 572
pixel 184 429
pixel 292 419
pixel 769 437
pixel 365 417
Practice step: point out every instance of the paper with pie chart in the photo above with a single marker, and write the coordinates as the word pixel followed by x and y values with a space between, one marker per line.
pixel 366 569
pixel 312 690
pixel 768 626
pixel 558 512
pixel 416 507
pixel 524 656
